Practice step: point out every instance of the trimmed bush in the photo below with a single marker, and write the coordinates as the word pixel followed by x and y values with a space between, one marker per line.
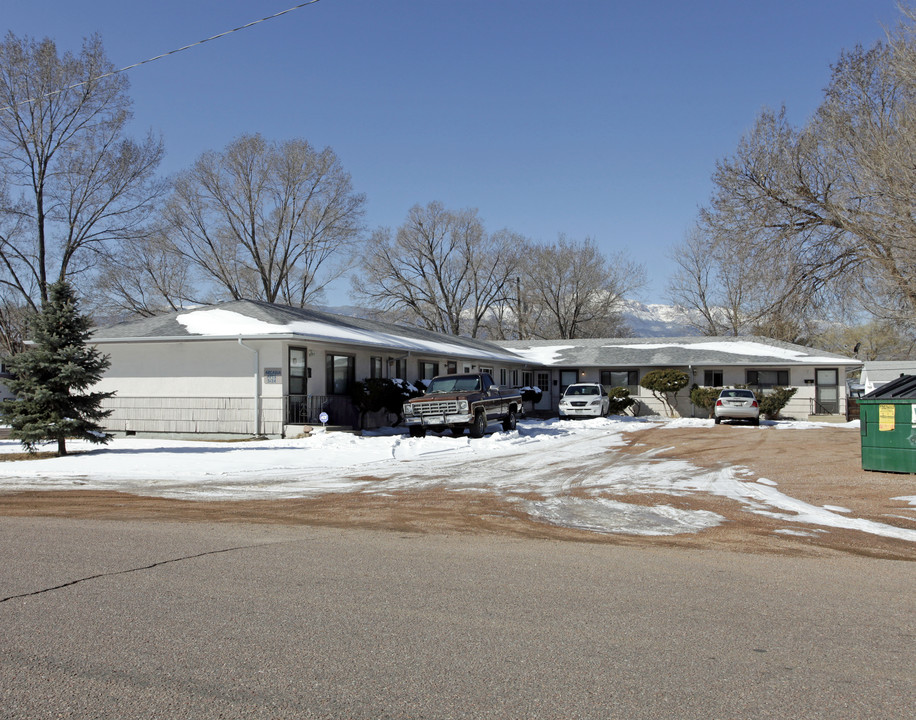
pixel 664 384
pixel 374 394
pixel 705 397
pixel 620 400
pixel 773 401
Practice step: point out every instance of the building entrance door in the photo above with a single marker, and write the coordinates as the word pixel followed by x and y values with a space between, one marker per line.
pixel 297 412
pixel 826 392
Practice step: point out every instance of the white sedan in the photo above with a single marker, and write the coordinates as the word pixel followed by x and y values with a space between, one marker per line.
pixel 584 400
pixel 737 405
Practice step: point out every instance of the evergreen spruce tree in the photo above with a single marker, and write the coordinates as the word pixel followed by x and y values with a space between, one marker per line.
pixel 51 377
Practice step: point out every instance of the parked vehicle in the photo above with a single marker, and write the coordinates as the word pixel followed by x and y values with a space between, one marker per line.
pixel 584 400
pixel 737 405
pixel 456 402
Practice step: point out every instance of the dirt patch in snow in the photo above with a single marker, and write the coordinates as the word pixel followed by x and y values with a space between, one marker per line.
pixel 819 466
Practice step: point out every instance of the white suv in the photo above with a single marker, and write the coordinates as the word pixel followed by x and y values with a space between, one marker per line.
pixel 584 400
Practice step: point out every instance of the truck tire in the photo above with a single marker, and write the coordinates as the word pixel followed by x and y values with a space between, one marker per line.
pixel 510 422
pixel 479 426
pixel 417 431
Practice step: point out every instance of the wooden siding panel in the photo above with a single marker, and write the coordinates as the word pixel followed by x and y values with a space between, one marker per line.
pixel 187 415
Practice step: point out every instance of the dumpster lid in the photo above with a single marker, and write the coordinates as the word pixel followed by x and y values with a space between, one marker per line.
pixel 902 387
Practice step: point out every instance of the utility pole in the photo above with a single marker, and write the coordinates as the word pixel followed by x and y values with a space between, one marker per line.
pixel 518 308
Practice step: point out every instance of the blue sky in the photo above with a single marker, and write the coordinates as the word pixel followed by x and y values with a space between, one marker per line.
pixel 587 117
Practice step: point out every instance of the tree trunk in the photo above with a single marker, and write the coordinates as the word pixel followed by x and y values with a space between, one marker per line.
pixel 61 447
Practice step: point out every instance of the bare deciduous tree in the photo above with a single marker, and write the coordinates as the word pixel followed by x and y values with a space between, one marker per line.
pixel 569 289
pixel 875 340
pixel 151 279
pixel 695 285
pixel 72 182
pixel 271 221
pixel 440 269
pixel 730 285
pixel 822 215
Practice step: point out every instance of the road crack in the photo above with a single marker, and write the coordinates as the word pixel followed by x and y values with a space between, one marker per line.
pixel 160 563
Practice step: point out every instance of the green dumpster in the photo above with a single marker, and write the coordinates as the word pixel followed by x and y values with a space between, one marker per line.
pixel 888 422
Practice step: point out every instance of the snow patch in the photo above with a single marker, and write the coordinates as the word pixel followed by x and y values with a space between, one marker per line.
pixel 562 472
pixel 609 516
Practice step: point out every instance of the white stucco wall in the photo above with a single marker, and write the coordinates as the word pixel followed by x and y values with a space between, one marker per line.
pixel 800 377
pixel 201 386
pixel 193 387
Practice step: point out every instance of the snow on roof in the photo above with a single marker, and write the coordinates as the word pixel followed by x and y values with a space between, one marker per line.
pixel 661 352
pixel 225 322
pixel 222 323
pixel 252 319
pixel 745 348
pixel 546 355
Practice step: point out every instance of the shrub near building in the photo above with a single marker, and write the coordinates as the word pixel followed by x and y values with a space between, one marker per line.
pixel 705 397
pixel 771 401
pixel 664 384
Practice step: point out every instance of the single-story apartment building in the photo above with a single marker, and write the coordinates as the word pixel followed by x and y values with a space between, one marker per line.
pixel 250 368
pixel 760 363
pixel 255 368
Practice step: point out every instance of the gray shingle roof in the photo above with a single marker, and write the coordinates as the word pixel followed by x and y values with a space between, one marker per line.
pixel 673 352
pixel 299 322
pixel 592 352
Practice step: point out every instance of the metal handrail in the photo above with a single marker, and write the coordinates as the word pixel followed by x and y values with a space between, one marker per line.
pixel 817 408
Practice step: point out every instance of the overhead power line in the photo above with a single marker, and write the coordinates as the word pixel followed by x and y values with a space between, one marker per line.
pixel 165 54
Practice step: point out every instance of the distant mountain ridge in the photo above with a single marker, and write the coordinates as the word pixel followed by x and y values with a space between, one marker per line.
pixel 657 320
pixel 646 320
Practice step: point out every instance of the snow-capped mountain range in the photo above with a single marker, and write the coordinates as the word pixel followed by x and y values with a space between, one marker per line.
pixel 657 320
pixel 646 320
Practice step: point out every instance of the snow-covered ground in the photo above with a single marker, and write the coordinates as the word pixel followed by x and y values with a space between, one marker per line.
pixel 564 464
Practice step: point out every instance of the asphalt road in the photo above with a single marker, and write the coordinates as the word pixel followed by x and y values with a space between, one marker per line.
pixel 109 619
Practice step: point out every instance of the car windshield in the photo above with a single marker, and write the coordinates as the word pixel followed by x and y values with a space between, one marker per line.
pixel 736 394
pixel 461 383
pixel 582 390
